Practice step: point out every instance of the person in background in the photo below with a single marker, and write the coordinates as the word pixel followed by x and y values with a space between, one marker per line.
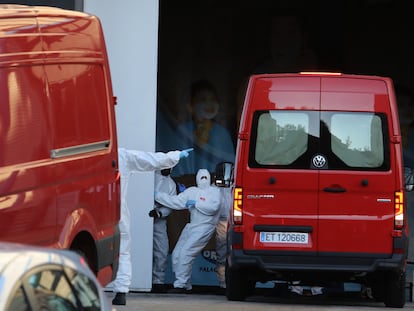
pixel 203 203
pixel 289 50
pixel 405 102
pixel 223 180
pixel 212 142
pixel 163 183
pixel 133 161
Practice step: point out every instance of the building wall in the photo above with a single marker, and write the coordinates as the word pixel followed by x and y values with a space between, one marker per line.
pixel 133 61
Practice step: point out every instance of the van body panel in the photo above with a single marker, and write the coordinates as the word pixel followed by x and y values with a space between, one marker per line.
pixel 360 219
pixel 319 177
pixel 279 208
pixel 286 94
pixel 74 79
pixel 59 181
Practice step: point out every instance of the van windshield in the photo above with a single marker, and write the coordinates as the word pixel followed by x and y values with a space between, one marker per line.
pixel 348 140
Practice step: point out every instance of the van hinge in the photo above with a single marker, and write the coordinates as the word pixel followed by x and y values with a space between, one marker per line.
pixel 243 135
pixel 395 139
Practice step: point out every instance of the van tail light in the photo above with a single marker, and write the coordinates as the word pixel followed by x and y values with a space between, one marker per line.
pixel 238 206
pixel 399 210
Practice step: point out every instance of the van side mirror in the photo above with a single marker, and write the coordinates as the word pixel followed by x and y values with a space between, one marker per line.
pixel 408 178
pixel 224 174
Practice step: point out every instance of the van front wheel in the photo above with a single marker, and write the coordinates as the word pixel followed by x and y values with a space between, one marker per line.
pixel 395 289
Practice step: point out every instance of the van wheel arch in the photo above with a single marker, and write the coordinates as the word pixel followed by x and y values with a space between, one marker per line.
pixel 84 245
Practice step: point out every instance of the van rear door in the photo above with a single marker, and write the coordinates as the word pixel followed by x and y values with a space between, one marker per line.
pixel 280 191
pixel 356 187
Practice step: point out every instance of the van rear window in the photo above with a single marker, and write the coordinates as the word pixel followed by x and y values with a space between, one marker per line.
pixel 356 138
pixel 282 137
pixel 348 140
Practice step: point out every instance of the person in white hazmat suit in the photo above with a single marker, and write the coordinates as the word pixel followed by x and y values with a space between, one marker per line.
pixel 163 183
pixel 134 161
pixel 223 180
pixel 203 203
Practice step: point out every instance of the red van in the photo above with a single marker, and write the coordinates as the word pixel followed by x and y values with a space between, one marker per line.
pixel 59 182
pixel 319 185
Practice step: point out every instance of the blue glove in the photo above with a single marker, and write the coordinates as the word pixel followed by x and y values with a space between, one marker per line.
pixel 190 203
pixel 185 153
pixel 181 187
pixel 155 193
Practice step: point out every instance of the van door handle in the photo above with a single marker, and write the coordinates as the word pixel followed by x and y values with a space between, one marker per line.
pixel 335 189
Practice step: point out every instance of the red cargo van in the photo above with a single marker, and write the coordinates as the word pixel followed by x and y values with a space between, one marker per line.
pixel 319 185
pixel 59 183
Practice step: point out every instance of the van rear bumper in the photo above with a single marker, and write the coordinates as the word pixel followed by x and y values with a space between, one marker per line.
pixel 275 262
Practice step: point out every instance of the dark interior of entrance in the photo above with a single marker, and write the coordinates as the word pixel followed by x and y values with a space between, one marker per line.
pixel 226 41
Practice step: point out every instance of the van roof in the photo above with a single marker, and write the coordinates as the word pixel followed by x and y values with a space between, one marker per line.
pixel 48 34
pixel 20 10
pixel 321 74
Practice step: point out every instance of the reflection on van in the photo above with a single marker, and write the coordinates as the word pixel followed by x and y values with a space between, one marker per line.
pixel 59 184
pixel 281 137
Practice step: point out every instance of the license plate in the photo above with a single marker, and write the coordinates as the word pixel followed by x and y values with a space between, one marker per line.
pixel 284 237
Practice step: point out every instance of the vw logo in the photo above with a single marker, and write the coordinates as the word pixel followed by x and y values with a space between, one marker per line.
pixel 319 161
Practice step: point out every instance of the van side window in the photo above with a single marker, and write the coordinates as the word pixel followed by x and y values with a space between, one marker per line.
pixel 23 116
pixel 282 137
pixel 76 91
pixel 357 139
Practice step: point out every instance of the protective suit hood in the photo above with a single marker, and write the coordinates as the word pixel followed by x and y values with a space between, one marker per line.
pixel 203 178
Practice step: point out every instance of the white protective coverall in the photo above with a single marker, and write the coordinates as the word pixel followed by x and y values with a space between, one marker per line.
pixel 203 203
pixel 133 161
pixel 167 185
pixel 221 234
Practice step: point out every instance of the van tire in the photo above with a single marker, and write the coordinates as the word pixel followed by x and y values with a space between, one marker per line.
pixel 236 284
pixel 395 289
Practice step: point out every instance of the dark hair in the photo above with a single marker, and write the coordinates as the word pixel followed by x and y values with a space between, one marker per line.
pixel 202 85
pixel 166 172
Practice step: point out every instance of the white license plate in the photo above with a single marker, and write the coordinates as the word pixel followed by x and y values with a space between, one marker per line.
pixel 284 237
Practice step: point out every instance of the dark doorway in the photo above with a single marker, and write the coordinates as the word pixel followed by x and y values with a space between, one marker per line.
pixel 226 41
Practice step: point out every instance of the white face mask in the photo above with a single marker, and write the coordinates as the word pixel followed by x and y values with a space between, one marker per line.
pixel 206 109
pixel 203 178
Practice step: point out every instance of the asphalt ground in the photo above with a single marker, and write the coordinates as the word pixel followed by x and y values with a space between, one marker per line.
pixel 210 300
